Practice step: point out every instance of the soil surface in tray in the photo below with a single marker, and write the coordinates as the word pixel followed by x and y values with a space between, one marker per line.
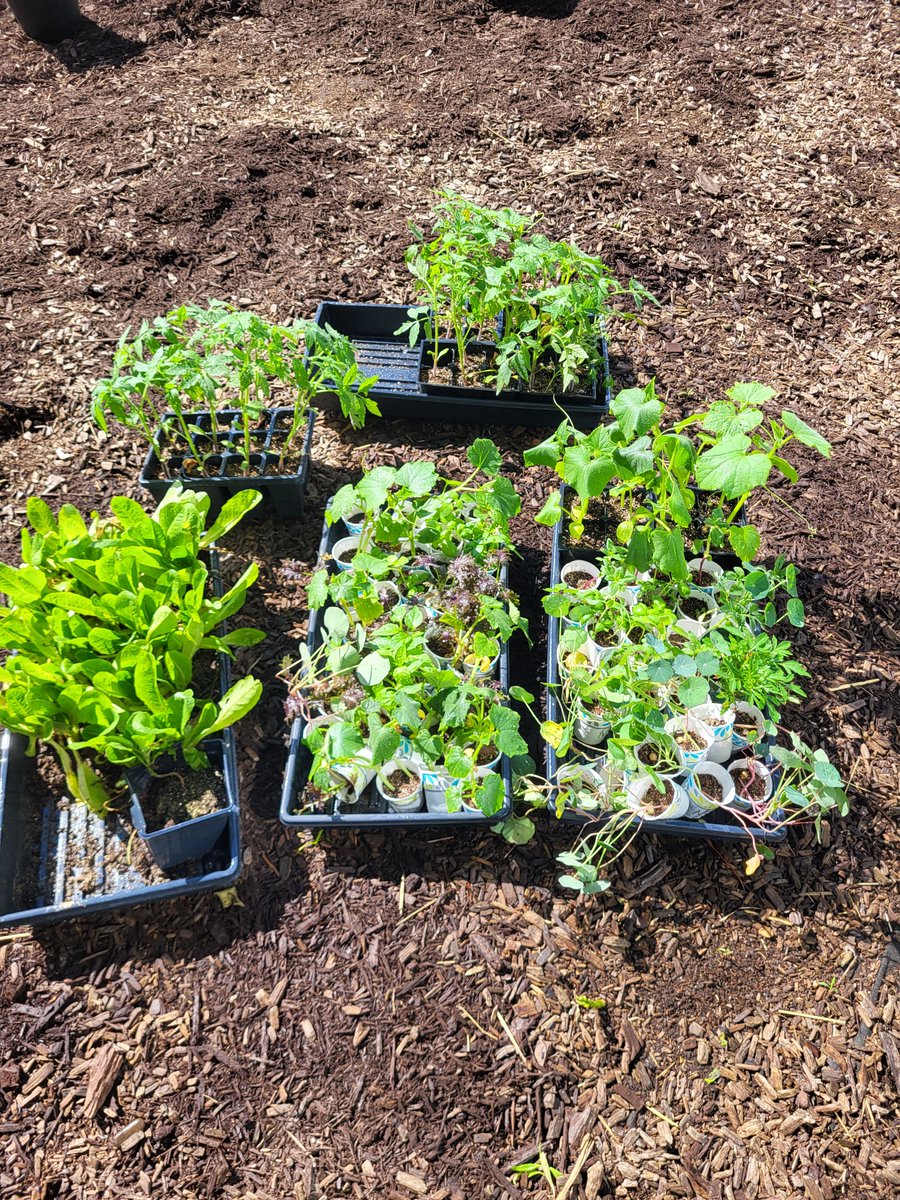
pixel 337 1032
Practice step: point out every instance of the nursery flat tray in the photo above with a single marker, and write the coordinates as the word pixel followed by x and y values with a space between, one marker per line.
pixel 299 761
pixel 59 861
pixel 379 351
pixel 721 827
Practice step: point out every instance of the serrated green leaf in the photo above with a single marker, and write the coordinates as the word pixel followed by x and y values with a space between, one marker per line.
pixel 418 478
pixel 39 515
pixel 637 410
pixel 484 456
pixel 751 394
pixel 668 552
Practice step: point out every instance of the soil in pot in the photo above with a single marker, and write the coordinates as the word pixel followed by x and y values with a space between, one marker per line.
pixel 655 801
pixel 279 462
pixel 486 755
pixel 650 755
pixel 581 580
pixel 711 789
pixel 542 381
pixel 695 608
pixel 441 641
pixel 688 740
pixel 749 785
pixel 236 468
pixel 400 785
pixel 182 796
pixel 704 579
pixel 603 517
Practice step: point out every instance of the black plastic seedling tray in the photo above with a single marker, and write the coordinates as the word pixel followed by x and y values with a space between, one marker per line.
pixel 282 494
pixel 299 761
pixel 59 861
pixel 399 392
pixel 724 828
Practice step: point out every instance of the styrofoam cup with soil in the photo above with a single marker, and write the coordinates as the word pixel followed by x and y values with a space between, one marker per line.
pixel 709 786
pixel 753 781
pixel 692 740
pixel 705 574
pixel 399 782
pixel 644 798
pixel 721 724
pixel 580 574
pixel 749 726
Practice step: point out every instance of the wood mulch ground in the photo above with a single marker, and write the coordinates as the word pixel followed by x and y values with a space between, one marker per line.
pixel 375 1016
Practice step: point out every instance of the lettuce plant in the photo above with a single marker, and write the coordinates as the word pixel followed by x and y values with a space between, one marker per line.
pixel 105 620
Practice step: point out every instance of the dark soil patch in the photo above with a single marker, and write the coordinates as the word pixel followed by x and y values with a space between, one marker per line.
pixel 182 796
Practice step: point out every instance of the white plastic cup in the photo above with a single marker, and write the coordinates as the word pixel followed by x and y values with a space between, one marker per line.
pixel 708 567
pixel 580 566
pixel 638 789
pixel 343 551
pixel 700 804
pixel 690 758
pixel 746 714
pixel 721 725
pixel 761 769
pixel 400 804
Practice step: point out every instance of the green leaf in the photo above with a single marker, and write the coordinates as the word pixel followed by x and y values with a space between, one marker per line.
pixel 828 774
pixel 551 511
pixel 317 592
pixel 337 624
pixel 570 882
pixel 373 669
pixel 744 541
pixel 520 694
pixel 584 472
pixel 515 830
pixel 244 637
pixel 637 410
pixel 24 585
pixel 128 511
pixel 727 467
pixel 504 498
pixel 39 515
pixel 753 395
pixel 484 456
pixel 418 478
pixel 146 686
pixel 668 552
pixel 372 489
pixel 71 523
pixel 235 704
pixel 796 613
pixel 723 418
pixel 805 433
pixel 693 691
pixel 234 508
pixel 638 555
pixel 545 454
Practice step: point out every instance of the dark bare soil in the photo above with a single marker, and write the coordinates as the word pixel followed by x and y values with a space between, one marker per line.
pixel 385 1016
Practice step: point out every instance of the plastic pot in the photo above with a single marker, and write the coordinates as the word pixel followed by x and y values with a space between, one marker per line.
pixel 400 804
pixel 637 790
pixel 47 20
pixel 579 566
pixel 690 758
pixel 711 608
pixel 708 567
pixel 344 551
pixel 760 769
pixel 435 784
pixel 353 523
pixel 720 725
pixel 694 784
pixel 590 730
pixel 747 714
pixel 190 839
pixel 592 786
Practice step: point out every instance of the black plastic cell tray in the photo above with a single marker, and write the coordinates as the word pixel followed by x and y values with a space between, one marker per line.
pixel 282 494
pixel 299 760
pixel 723 829
pixel 398 393
pixel 40 843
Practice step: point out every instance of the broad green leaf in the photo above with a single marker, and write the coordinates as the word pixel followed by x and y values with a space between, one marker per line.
pixel 796 613
pixel 518 831
pixel 584 472
pixel 72 602
pixel 693 691
pixel 337 623
pixel 372 489
pixel 128 511
pixel 489 796
pixel 828 774
pixel 750 394
pixel 504 498
pixel 71 523
pixel 373 669
pixel 551 511
pixel 638 555
pixel 317 592
pixel 552 733
pixel 545 454
pixel 418 478
pixel 744 541
pixel 40 515
pixel 520 694
pixel 23 585
pixel 484 456
pixel 668 552
pixel 805 433
pixel 723 418
pixel 727 467
pixel 244 637
pixel 385 742
pixel 637 410
pixel 236 703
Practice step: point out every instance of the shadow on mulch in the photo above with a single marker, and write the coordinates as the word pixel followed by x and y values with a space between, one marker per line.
pixel 93 46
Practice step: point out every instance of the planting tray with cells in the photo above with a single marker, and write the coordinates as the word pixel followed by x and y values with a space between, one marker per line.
pixel 59 861
pixel 719 826
pixel 372 809
pixel 399 392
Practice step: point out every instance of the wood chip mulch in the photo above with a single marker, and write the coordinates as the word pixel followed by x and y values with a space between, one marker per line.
pixel 376 1017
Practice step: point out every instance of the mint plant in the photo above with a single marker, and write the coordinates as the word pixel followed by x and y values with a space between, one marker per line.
pixel 105 620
